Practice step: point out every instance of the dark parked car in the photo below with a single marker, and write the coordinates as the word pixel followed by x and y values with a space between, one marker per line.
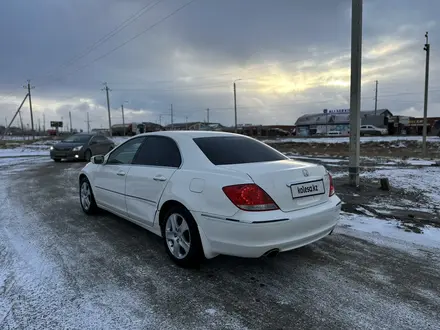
pixel 81 147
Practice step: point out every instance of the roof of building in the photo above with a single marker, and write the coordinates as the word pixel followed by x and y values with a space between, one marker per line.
pixel 335 118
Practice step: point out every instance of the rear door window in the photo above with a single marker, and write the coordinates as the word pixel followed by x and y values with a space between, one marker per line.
pixel 228 150
pixel 159 151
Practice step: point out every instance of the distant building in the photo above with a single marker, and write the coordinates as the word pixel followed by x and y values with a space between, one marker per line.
pixel 339 121
pixel 195 126
pixel 264 131
pixel 415 126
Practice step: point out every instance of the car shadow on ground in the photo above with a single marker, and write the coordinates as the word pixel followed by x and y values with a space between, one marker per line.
pixel 154 244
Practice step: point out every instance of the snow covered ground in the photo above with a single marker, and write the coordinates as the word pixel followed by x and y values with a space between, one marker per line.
pixel 359 224
pixel 424 180
pixel 21 137
pixel 376 162
pixel 364 139
pixel 24 152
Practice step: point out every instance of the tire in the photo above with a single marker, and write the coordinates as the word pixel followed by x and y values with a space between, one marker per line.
pixel 86 198
pixel 88 155
pixel 173 236
pixel 57 160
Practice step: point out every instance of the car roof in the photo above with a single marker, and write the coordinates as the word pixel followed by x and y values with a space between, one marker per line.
pixel 191 134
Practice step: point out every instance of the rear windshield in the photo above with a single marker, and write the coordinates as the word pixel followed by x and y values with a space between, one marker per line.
pixel 227 150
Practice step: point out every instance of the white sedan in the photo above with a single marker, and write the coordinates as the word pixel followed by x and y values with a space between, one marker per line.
pixel 211 193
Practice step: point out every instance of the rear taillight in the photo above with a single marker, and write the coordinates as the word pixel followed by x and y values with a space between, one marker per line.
pixel 331 191
pixel 250 197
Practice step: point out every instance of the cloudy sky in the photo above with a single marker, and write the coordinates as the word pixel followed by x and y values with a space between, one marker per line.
pixel 292 56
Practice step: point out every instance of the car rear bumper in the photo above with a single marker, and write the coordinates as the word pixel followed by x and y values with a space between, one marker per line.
pixel 253 240
pixel 69 155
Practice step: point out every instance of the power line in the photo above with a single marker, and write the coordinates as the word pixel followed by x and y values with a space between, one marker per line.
pixel 109 35
pixel 133 38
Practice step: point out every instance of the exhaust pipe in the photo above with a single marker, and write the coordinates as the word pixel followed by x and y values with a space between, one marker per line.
pixel 271 253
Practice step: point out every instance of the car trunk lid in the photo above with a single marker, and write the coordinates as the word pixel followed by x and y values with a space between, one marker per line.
pixel 293 185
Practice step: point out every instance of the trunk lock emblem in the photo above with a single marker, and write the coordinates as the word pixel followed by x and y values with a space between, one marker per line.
pixel 306 173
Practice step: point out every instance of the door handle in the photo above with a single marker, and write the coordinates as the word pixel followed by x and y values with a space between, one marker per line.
pixel 159 178
pixel 120 173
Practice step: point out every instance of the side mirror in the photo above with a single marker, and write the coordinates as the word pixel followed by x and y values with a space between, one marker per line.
pixel 99 159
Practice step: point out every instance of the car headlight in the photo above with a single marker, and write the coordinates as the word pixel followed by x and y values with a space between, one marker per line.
pixel 77 148
pixel 51 148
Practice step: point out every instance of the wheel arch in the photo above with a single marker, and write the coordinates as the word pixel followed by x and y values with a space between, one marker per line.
pixel 166 206
pixel 82 176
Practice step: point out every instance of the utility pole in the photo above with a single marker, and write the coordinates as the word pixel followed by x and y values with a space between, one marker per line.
pixel 70 121
pixel 106 89
pixel 160 120
pixel 28 87
pixel 425 104
pixel 355 91
pixel 172 117
pixel 44 123
pixel 123 119
pixel 375 99
pixel 207 114
pixel 186 123
pixel 39 126
pixel 21 121
pixel 13 118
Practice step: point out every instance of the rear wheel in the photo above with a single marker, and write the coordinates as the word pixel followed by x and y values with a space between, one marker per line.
pixel 182 238
pixel 88 155
pixel 87 200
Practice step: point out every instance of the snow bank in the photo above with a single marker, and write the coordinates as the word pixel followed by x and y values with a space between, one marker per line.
pixel 24 152
pixel 389 229
pixel 425 180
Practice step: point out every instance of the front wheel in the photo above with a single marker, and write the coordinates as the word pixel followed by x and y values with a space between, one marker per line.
pixel 88 155
pixel 87 200
pixel 182 238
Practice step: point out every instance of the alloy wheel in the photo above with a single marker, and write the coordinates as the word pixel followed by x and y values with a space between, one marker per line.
pixel 177 236
pixel 86 195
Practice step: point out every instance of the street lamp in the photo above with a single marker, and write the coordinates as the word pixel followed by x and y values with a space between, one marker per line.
pixel 235 104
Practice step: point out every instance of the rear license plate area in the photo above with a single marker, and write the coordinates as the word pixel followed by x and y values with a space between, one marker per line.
pixel 307 189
